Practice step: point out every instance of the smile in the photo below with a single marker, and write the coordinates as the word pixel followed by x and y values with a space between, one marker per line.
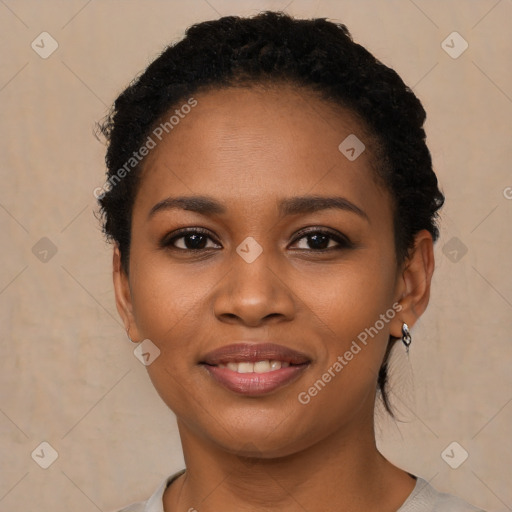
pixel 254 369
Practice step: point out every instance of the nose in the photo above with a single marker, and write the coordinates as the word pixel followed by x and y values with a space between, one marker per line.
pixel 254 294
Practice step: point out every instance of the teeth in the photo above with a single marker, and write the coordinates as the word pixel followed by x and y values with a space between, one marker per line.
pixel 264 366
pixel 245 368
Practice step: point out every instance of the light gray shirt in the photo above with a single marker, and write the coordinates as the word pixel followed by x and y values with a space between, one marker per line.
pixel 423 498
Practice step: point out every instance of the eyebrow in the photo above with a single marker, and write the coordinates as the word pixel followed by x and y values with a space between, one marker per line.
pixel 206 205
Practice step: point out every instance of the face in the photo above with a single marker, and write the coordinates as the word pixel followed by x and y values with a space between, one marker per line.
pixel 258 272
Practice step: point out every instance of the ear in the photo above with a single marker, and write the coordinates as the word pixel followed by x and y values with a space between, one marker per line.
pixel 413 283
pixel 123 295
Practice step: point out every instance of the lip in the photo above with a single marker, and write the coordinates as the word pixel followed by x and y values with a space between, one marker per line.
pixel 254 384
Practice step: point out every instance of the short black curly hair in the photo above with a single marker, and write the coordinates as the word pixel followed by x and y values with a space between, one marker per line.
pixel 273 47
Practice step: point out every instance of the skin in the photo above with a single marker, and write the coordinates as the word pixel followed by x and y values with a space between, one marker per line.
pixel 248 149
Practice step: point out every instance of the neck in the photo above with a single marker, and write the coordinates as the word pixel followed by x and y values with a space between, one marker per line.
pixel 343 471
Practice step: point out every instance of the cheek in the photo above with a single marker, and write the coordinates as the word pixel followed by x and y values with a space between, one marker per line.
pixel 354 306
pixel 351 297
pixel 343 383
pixel 166 294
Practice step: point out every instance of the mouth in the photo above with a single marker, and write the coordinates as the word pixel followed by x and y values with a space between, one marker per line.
pixel 255 369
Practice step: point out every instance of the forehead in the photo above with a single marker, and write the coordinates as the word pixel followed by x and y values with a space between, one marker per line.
pixel 249 146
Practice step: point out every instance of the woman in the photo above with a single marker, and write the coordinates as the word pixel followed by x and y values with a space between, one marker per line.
pixel 273 207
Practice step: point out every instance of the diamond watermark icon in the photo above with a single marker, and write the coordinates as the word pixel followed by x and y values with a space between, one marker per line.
pixel 45 455
pixel 44 249
pixel 351 147
pixel 454 249
pixel 249 249
pixel 454 45
pixel 44 45
pixel 454 455
pixel 146 352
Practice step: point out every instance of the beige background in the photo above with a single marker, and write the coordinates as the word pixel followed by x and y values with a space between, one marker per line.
pixel 68 373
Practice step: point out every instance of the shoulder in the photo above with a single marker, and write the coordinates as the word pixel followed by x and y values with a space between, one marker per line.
pixel 425 498
pixel 134 507
pixel 155 502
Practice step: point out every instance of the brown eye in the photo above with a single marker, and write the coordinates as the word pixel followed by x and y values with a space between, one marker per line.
pixel 322 240
pixel 188 240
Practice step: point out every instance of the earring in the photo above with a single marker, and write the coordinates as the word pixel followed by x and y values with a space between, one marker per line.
pixel 406 336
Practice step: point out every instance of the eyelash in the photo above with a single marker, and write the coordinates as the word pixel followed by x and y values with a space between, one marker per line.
pixel 344 243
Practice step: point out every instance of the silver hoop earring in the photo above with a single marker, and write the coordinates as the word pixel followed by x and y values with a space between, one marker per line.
pixel 406 336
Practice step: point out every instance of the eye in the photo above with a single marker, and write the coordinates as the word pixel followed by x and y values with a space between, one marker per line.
pixel 188 240
pixel 322 240
pixel 197 239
